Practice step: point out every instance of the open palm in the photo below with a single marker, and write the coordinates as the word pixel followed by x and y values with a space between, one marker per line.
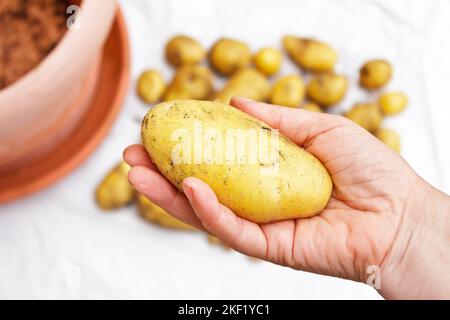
pixel 356 229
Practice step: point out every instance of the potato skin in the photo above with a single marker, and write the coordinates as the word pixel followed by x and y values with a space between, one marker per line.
pixel 288 91
pixel 300 188
pixel 392 103
pixel 190 82
pixel 327 89
pixel 159 216
pixel 151 86
pixel 310 54
pixel 268 61
pixel 367 115
pixel 375 74
pixel 247 83
pixel 114 191
pixel 182 50
pixel 389 137
pixel 228 56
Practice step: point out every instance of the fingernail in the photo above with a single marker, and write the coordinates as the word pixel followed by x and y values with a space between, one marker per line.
pixel 124 156
pixel 187 189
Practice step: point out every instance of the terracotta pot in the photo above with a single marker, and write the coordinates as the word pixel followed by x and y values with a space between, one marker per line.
pixel 40 110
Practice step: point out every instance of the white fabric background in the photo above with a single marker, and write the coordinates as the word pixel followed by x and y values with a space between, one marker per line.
pixel 57 244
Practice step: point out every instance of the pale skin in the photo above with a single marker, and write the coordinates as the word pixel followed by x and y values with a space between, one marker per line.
pixel 381 212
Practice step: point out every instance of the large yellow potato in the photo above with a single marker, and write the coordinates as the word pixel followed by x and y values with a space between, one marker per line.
pixel 159 216
pixel 228 56
pixel 288 91
pixel 246 83
pixel 190 82
pixel 310 54
pixel 216 143
pixel 327 89
pixel 182 50
pixel 114 191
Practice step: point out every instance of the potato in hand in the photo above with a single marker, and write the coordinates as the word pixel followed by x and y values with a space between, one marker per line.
pixel 260 185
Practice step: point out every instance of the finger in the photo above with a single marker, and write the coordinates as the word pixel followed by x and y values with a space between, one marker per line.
pixel 161 192
pixel 297 124
pixel 239 234
pixel 270 114
pixel 136 155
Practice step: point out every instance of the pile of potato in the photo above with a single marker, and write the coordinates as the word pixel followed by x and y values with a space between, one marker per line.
pixel 255 76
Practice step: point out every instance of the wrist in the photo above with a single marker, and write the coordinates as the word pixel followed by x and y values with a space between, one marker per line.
pixel 417 264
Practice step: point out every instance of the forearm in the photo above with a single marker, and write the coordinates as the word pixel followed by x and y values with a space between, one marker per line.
pixel 420 259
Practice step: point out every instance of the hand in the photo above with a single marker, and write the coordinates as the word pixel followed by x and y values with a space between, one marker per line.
pixel 367 221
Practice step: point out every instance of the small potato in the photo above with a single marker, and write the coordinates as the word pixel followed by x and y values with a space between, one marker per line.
pixel 311 106
pixel 182 50
pixel 288 91
pixel 392 103
pixel 367 115
pixel 216 143
pixel 374 74
pixel 310 54
pixel 327 89
pixel 159 216
pixel 151 86
pixel 268 61
pixel 389 137
pixel 115 191
pixel 247 83
pixel 228 55
pixel 190 82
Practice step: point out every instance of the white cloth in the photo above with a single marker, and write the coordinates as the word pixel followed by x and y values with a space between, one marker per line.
pixel 57 244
